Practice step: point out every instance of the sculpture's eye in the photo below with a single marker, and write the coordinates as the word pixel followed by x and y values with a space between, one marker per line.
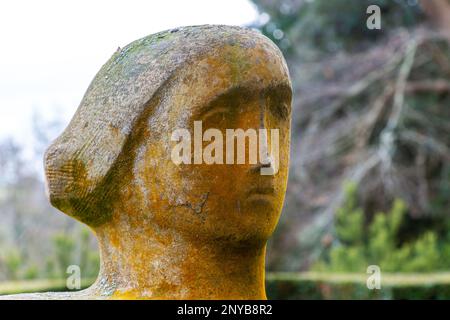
pixel 216 115
pixel 219 116
pixel 278 101
pixel 280 110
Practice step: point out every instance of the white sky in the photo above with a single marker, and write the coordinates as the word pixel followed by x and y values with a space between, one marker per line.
pixel 50 50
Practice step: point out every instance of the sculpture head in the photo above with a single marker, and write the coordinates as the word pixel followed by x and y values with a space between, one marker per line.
pixel 113 164
pixel 117 150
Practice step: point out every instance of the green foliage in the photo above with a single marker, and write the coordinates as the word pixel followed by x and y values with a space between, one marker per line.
pixel 89 259
pixel 344 259
pixel 12 263
pixel 349 219
pixel 441 202
pixel 71 250
pixel 32 272
pixel 326 286
pixel 68 249
pixel 382 233
pixel 16 267
pixel 64 249
pixel 50 269
pixel 360 244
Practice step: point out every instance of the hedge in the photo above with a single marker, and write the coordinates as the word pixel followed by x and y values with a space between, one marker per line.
pixel 323 286
pixel 306 286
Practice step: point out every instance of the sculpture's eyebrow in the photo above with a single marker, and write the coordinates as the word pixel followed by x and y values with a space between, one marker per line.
pixel 279 94
pixel 223 101
pixel 212 111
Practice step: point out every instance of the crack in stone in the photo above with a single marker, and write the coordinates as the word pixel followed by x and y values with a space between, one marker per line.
pixel 198 209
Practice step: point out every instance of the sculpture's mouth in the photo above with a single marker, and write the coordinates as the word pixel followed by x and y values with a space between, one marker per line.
pixel 262 190
pixel 264 193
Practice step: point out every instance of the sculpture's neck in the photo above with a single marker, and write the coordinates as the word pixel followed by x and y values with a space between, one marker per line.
pixel 142 261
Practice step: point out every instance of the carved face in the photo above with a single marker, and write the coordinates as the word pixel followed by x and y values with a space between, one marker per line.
pixel 104 169
pixel 218 201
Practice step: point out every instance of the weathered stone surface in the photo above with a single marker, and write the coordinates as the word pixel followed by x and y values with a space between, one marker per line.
pixel 170 231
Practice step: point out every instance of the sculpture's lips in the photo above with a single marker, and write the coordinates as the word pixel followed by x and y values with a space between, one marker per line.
pixel 261 190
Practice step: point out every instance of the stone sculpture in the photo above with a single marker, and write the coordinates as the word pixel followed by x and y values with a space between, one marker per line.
pixel 167 230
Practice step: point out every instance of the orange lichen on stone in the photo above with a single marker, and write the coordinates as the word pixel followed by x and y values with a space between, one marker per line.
pixel 168 231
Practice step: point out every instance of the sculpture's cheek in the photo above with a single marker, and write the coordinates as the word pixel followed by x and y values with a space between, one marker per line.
pixel 212 202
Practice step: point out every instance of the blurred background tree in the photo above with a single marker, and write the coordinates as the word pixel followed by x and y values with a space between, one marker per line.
pixel 36 241
pixel 370 107
pixel 358 244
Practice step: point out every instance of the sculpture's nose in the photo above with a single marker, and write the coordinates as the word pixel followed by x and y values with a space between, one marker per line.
pixel 257 167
